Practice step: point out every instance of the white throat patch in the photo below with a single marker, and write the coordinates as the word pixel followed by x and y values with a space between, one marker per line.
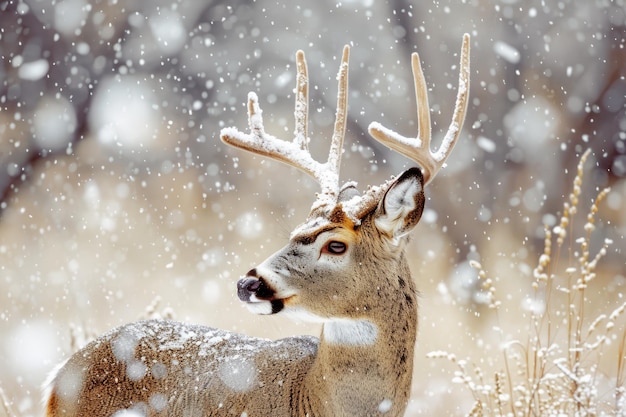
pixel 350 332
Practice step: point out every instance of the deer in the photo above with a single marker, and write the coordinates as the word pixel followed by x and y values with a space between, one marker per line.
pixel 345 267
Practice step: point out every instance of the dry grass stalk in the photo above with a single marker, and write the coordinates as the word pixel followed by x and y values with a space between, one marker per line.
pixel 6 405
pixel 548 374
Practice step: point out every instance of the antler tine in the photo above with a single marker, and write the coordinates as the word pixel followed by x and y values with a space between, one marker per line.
pixel 301 111
pixel 296 153
pixel 341 116
pixel 418 148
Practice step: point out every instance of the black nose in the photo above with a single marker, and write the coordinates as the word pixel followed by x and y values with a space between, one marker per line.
pixel 246 287
pixel 255 285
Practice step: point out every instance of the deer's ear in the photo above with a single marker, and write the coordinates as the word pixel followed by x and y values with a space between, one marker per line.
pixel 401 207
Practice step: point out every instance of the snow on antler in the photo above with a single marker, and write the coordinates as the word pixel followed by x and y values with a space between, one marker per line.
pixel 296 152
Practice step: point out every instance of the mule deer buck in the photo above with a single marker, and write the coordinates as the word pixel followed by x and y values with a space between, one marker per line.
pixel 345 267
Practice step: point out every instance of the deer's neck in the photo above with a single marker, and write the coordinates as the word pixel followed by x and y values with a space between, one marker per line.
pixel 364 366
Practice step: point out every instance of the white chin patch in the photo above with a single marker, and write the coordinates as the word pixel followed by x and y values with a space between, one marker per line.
pixel 260 307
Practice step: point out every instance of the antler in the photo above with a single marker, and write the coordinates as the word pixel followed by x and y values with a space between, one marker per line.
pixel 418 149
pixel 296 153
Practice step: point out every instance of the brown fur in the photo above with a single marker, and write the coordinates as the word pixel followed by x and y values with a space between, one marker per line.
pixel 165 368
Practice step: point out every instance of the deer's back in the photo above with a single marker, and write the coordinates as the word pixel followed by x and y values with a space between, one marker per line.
pixel 170 368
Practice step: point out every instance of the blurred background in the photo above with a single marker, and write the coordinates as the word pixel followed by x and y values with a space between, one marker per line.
pixel 116 193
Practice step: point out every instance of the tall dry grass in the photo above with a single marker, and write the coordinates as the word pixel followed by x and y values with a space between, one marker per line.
pixel 555 369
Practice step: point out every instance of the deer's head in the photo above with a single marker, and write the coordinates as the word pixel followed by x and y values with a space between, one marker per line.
pixel 349 251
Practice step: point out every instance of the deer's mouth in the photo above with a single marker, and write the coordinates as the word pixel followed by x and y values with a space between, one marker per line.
pixel 259 296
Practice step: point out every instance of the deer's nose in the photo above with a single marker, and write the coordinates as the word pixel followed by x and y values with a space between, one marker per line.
pixel 253 285
pixel 246 287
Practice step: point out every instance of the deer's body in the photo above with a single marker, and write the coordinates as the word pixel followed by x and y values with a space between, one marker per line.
pixel 157 366
pixel 345 267
pixel 189 370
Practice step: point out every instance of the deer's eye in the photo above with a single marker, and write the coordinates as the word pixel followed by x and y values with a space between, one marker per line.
pixel 334 247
